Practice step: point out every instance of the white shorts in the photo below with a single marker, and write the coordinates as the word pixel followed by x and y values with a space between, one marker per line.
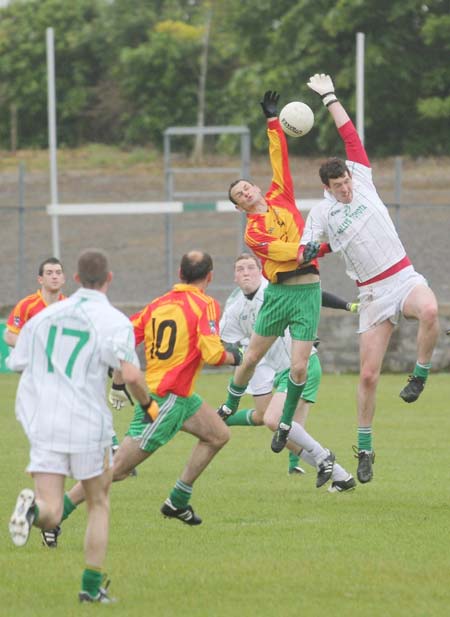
pixel 385 299
pixel 261 381
pixel 78 465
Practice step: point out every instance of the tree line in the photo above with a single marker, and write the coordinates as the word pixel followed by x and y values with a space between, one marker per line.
pixel 128 69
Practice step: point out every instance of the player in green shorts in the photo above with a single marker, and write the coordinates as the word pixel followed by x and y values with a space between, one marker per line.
pixel 293 297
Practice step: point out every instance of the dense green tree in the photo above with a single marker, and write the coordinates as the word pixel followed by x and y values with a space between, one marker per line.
pixel 127 69
pixel 79 52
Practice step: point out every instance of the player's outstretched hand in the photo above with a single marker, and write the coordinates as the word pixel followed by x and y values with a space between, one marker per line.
pixel 269 104
pixel 119 396
pixel 323 85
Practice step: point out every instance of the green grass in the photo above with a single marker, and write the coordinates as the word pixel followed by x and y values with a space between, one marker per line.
pixel 270 545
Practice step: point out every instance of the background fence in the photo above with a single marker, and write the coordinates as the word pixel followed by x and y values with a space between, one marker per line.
pixel 145 255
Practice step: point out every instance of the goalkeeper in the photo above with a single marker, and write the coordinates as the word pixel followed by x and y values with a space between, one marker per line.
pixel 355 222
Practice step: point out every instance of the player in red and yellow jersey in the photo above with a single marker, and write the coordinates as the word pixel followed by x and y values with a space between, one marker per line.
pixel 293 297
pixel 180 334
pixel 180 331
pixel 51 279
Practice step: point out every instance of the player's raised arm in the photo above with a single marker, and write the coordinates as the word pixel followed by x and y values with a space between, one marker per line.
pixel 278 150
pixel 323 85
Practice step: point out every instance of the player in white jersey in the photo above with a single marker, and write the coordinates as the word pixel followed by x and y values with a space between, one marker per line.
pixel 63 354
pixel 272 371
pixel 353 221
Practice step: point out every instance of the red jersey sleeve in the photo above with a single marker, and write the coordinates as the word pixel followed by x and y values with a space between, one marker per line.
pixel 279 158
pixel 209 342
pixel 139 321
pixel 353 145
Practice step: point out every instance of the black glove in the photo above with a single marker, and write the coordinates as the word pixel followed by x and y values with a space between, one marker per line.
pixel 311 250
pixel 237 351
pixel 151 410
pixel 269 104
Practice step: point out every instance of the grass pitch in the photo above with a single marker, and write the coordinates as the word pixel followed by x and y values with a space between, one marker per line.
pixel 270 545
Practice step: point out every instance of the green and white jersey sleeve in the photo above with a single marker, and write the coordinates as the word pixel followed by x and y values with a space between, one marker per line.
pixel 64 353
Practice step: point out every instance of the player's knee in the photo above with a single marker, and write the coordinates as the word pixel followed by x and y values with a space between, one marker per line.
pixel 53 515
pixel 251 359
pixel 120 472
pixel 368 378
pixel 220 437
pixel 298 373
pixel 429 313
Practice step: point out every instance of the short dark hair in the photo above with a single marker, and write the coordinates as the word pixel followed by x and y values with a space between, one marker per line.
pixel 93 268
pixel 195 266
pixel 51 260
pixel 332 168
pixel 243 256
pixel 233 184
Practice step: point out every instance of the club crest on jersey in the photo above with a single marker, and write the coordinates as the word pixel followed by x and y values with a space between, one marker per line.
pixel 212 327
pixel 17 321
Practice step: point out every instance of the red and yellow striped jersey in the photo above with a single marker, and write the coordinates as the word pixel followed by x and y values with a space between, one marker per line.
pixel 180 331
pixel 274 236
pixel 25 309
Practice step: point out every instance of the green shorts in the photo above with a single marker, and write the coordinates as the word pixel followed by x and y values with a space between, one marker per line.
pixel 296 306
pixel 312 384
pixel 173 412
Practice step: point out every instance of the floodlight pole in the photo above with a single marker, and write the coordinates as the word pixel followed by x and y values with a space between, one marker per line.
pixel 51 103
pixel 360 84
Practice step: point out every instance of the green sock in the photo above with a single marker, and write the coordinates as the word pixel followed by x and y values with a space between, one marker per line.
pixel 293 460
pixel 36 513
pixel 180 494
pixel 365 438
pixel 234 395
pixel 69 507
pixel 422 370
pixel 294 391
pixel 91 581
pixel 115 441
pixel 244 417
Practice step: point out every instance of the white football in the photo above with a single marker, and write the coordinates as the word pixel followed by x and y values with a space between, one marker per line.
pixel 296 119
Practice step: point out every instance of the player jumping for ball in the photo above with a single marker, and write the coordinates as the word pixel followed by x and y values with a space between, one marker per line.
pixel 356 223
pixel 293 297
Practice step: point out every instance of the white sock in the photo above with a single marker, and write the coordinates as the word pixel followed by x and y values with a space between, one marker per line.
pixel 306 456
pixel 339 473
pixel 301 438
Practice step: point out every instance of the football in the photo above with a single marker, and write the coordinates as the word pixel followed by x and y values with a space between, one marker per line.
pixel 296 119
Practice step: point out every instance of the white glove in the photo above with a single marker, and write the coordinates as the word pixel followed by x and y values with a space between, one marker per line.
pixel 119 396
pixel 323 85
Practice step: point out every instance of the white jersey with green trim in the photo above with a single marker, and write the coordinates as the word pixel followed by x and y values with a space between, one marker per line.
pixel 64 353
pixel 237 323
pixel 361 231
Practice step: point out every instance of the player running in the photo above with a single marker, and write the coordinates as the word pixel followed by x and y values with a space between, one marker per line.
pixel 180 332
pixel 63 354
pixel 355 222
